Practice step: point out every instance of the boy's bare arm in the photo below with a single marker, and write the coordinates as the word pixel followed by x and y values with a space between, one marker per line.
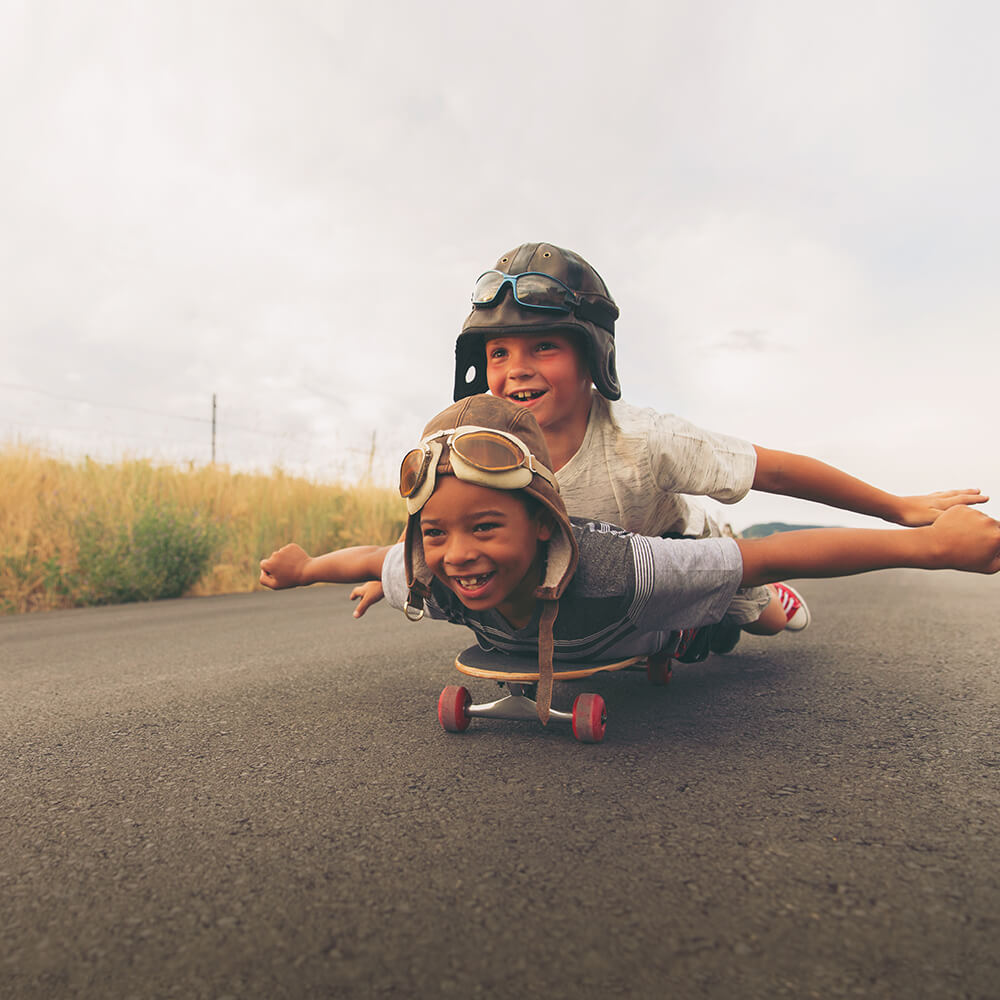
pixel 807 478
pixel 292 566
pixel 960 538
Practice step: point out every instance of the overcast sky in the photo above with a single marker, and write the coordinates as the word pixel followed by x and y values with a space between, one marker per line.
pixel 286 202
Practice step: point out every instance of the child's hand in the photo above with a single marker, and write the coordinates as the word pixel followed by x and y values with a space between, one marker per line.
pixel 284 568
pixel 369 593
pixel 968 540
pixel 914 512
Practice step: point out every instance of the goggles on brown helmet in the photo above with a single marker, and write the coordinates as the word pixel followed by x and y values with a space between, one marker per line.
pixel 477 455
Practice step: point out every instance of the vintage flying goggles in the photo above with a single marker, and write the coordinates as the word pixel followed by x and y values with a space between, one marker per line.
pixel 532 289
pixel 478 455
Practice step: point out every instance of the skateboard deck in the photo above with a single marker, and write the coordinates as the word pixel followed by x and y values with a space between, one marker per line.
pixel 506 667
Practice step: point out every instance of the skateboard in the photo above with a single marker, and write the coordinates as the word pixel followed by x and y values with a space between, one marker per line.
pixel 588 716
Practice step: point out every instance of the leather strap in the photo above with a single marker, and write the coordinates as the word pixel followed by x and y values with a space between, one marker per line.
pixel 546 647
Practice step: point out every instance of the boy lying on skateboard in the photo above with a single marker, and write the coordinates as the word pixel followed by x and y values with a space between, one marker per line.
pixel 489 545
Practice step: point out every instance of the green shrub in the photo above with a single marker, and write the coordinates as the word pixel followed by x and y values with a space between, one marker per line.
pixel 162 553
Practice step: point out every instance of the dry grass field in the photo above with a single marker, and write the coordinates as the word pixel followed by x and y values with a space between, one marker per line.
pixel 82 532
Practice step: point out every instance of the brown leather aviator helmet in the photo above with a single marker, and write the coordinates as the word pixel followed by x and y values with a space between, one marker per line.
pixel 489 412
pixel 590 312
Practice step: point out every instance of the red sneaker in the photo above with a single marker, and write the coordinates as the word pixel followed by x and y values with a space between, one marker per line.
pixel 796 611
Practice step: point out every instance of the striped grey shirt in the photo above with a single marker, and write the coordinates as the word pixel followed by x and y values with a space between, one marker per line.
pixel 628 594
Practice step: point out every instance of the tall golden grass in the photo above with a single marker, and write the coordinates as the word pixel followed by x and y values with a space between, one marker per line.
pixel 43 500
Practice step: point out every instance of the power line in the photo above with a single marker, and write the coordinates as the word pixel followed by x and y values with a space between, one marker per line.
pixel 108 406
pixel 224 425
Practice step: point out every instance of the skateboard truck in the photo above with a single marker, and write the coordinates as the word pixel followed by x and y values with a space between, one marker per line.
pixel 519 705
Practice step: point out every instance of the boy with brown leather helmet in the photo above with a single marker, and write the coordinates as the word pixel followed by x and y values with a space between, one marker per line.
pixel 489 545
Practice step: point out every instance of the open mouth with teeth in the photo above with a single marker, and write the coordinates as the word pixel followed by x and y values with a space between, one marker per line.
pixel 527 395
pixel 470 585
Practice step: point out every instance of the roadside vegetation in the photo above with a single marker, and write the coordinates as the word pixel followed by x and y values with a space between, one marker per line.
pixel 83 533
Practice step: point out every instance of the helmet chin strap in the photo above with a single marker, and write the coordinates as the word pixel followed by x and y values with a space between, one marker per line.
pixel 546 648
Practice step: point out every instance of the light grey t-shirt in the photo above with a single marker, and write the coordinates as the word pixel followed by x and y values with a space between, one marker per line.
pixel 635 465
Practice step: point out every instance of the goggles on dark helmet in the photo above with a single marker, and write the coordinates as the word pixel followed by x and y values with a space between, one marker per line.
pixel 535 290
pixel 532 289
pixel 477 455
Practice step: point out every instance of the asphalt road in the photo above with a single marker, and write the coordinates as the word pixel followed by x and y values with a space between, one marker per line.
pixel 250 797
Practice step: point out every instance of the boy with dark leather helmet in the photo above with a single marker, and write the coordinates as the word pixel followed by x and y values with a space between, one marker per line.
pixel 576 301
pixel 627 465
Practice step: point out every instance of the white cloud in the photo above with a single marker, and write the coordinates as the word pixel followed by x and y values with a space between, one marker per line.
pixel 286 204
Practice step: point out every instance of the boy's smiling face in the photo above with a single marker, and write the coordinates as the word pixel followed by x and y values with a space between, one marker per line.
pixel 485 546
pixel 546 373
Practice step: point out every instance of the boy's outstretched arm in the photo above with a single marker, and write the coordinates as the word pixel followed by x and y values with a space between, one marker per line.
pixel 960 538
pixel 292 566
pixel 807 478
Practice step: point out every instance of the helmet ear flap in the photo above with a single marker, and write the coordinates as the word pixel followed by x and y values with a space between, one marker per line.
pixel 611 388
pixel 470 367
pixel 600 357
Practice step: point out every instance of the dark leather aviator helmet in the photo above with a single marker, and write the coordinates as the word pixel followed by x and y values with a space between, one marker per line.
pixel 585 307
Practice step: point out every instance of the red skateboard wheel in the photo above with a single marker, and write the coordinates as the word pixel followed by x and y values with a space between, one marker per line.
pixel 590 718
pixel 451 709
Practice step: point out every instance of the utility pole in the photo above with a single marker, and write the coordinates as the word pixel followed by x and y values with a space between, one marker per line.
pixel 213 428
pixel 371 460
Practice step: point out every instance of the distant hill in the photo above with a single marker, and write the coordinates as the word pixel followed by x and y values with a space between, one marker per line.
pixel 772 528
